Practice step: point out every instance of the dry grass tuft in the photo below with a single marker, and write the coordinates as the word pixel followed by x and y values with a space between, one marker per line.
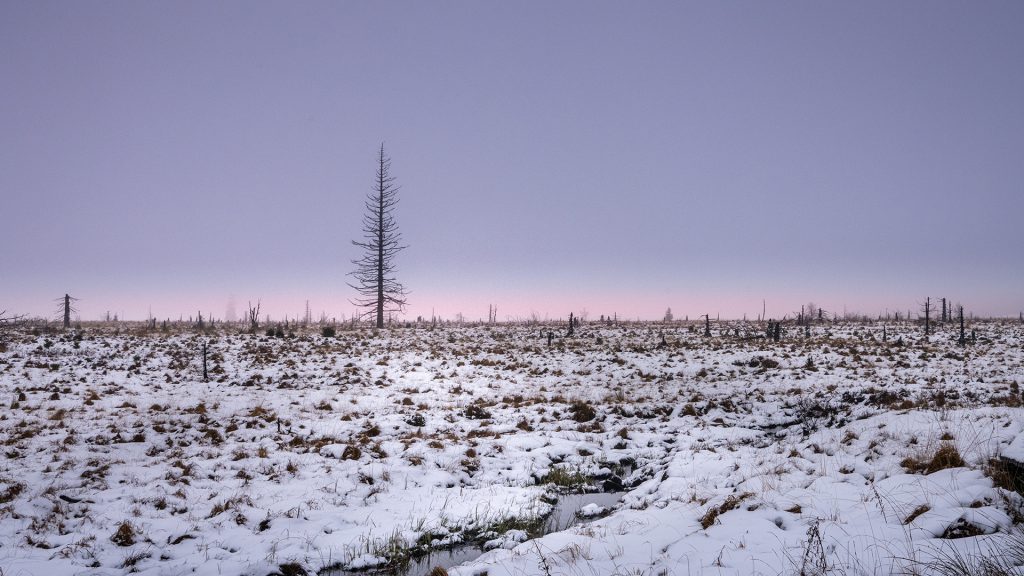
pixel 125 534
pixel 731 503
pixel 947 456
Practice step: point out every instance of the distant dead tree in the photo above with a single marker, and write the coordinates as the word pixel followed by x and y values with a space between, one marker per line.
pixel 7 319
pixel 379 291
pixel 572 326
pixel 963 338
pixel 66 309
pixel 254 315
pixel 808 312
pixel 927 316
pixel 10 320
pixel 668 315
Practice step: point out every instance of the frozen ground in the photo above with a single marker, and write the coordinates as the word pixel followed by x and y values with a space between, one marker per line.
pixel 833 452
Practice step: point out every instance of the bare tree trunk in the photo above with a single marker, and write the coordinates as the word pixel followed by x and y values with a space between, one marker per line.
pixel 67 311
pixel 963 339
pixel 206 376
pixel 928 318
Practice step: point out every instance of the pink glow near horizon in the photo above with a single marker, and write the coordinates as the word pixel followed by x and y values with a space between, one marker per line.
pixel 472 307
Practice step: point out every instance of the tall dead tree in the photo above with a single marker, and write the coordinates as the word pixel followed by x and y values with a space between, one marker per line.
pixel 66 309
pixel 379 291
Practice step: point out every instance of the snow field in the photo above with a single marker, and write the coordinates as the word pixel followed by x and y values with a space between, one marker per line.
pixel 741 456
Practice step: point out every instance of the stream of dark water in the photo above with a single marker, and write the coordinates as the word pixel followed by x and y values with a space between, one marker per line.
pixel 566 514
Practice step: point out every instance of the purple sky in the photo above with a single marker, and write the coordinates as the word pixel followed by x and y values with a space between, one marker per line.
pixel 553 156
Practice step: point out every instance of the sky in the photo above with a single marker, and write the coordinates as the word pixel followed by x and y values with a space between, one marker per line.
pixel 620 158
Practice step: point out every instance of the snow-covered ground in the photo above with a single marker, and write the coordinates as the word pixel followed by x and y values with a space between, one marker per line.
pixel 833 452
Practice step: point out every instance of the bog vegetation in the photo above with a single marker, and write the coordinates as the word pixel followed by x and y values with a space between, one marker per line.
pixel 848 445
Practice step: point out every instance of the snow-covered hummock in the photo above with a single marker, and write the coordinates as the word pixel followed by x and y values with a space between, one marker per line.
pixel 1015 451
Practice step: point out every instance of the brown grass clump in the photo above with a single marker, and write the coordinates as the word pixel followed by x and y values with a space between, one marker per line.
pixel 1005 474
pixel 11 492
pixel 290 569
pixel 582 412
pixel 125 534
pixel 474 412
pixel 917 512
pixel 731 503
pixel 947 456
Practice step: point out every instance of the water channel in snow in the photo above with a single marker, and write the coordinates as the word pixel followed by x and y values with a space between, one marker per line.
pixel 571 510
